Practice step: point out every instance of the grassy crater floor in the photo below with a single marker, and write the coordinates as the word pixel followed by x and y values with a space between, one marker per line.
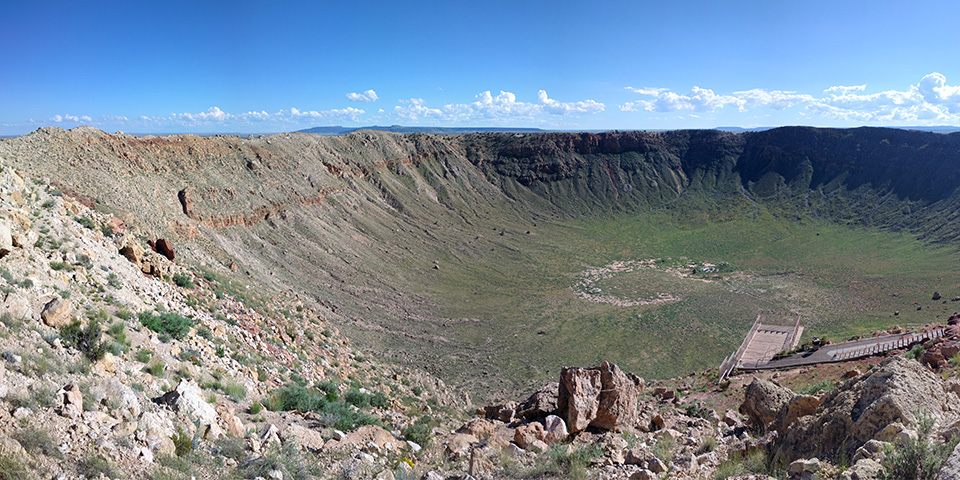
pixel 527 308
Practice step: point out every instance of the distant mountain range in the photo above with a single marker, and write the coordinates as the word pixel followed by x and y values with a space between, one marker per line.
pixel 338 130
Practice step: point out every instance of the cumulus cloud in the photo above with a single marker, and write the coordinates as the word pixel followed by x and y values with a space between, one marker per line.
pixel 71 118
pixel 698 100
pixel 931 100
pixel 563 108
pixel 846 89
pixel 488 107
pixel 367 96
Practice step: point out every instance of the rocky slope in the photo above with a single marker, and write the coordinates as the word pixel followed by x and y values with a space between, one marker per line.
pixel 120 360
pixel 353 225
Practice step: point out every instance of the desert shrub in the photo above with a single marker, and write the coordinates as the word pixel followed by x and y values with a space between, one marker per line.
pixel 86 222
pixel 36 440
pixel 572 463
pixel 154 368
pixel 113 280
pixel 8 320
pixel 232 447
pixel 755 462
pixel 85 339
pixel 357 398
pixel 330 389
pixel 182 280
pixel 58 265
pixel 13 468
pixel 295 397
pixel 420 431
pixel 167 324
pixel 234 390
pixel 341 415
pixel 916 352
pixel 825 385
pixel 255 408
pixel 182 442
pixel 286 459
pixel 920 459
pixel 95 465
pixel 663 449
pixel 144 355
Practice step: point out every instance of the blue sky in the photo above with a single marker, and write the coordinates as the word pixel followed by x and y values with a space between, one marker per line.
pixel 253 67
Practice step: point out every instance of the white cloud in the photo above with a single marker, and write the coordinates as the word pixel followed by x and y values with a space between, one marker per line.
pixel 930 101
pixel 367 96
pixel 70 118
pixel 846 89
pixel 647 90
pixel 563 108
pixel 491 108
pixel 699 100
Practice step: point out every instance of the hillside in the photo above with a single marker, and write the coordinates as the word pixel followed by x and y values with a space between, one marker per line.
pixel 460 254
pixel 282 307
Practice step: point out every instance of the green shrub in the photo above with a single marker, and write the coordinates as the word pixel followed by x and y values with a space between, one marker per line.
pixel 85 221
pixel 113 280
pixel 295 397
pixel 154 368
pixel 182 280
pixel 919 459
pixel 255 408
pixel 572 463
pixel 755 462
pixel 86 339
pixel 916 352
pixel 330 389
pixel 234 390
pixel 144 355
pixel 825 385
pixel 95 465
pixel 167 324
pixel 182 442
pixel 58 266
pixel 420 431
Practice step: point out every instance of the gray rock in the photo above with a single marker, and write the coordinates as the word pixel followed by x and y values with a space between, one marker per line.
pixel 951 468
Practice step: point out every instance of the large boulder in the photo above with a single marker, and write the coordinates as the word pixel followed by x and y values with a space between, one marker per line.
pixel 186 399
pixel 57 313
pixel 541 404
pixel 304 438
pixel 601 397
pixel 898 390
pixel 763 402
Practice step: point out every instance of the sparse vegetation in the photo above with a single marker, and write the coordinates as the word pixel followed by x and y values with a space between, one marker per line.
pixel 86 339
pixel 167 324
pixel 920 458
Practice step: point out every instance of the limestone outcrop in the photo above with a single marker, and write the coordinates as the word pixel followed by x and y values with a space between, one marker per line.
pixel 898 390
pixel 602 397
